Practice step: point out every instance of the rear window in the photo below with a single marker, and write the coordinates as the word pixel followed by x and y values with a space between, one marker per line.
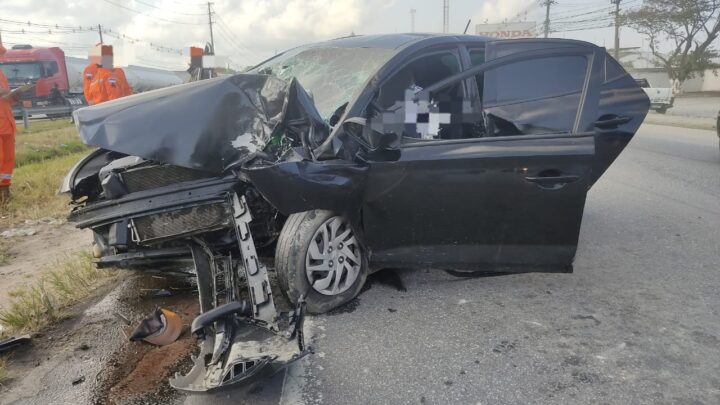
pixel 613 70
pixel 535 79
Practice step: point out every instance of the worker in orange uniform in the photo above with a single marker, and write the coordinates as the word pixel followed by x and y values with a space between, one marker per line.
pixel 88 75
pixel 103 82
pixel 7 135
pixel 95 58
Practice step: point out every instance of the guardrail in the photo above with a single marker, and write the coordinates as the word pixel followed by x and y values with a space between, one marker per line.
pixel 47 111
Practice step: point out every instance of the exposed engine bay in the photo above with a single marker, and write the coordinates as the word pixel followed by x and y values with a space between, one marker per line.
pixel 198 204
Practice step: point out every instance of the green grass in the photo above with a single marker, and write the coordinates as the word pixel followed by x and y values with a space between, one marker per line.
pixel 31 307
pixel 46 140
pixel 35 191
pixel 44 126
pixel 63 283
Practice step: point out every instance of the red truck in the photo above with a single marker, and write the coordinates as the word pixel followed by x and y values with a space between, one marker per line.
pixel 58 80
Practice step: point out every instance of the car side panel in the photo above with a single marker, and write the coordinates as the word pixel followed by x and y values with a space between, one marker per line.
pixel 444 199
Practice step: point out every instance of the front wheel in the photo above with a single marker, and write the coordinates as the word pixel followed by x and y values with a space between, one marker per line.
pixel 319 257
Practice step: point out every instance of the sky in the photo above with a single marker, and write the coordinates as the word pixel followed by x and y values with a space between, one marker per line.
pixel 249 31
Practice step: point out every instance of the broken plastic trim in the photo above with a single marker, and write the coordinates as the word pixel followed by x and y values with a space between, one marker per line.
pixel 240 340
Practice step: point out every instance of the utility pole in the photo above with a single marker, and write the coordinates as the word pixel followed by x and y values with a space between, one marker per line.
pixel 412 19
pixel 617 28
pixel 100 32
pixel 547 4
pixel 210 21
pixel 446 15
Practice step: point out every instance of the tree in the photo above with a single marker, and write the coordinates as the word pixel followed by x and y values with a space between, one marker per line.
pixel 680 34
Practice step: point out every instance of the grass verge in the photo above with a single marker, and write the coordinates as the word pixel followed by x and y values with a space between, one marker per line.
pixel 46 140
pixel 63 283
pixel 34 190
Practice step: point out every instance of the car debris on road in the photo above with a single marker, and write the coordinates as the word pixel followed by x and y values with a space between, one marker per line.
pixel 346 157
pixel 160 328
pixel 13 342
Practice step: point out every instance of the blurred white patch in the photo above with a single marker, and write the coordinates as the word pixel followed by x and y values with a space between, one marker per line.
pixel 463 302
pixel 245 141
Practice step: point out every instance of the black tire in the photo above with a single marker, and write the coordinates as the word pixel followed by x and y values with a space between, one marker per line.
pixel 292 248
pixel 661 110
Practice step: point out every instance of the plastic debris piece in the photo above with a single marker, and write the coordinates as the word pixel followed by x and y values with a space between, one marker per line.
pixel 160 328
pixel 12 342
pixel 163 293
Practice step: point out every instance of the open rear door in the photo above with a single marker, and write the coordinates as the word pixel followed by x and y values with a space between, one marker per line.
pixel 614 106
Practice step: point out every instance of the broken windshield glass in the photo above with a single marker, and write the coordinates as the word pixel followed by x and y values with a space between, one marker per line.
pixel 333 76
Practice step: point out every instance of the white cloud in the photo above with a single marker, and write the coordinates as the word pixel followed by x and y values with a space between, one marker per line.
pixel 247 31
pixel 495 11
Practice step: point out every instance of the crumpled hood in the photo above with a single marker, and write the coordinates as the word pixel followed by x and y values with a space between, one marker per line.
pixel 208 125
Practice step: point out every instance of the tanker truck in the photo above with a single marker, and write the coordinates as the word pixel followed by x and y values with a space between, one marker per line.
pixel 59 79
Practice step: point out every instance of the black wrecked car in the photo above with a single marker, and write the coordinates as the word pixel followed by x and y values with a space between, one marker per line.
pixel 344 157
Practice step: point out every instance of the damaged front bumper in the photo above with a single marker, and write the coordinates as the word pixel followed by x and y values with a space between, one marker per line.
pixel 167 183
pixel 242 334
pixel 240 339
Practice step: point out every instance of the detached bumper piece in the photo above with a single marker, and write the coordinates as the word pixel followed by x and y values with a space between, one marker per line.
pixel 242 350
pixel 240 340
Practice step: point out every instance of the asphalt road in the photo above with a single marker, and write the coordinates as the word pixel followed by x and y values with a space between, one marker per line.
pixel 699 107
pixel 637 322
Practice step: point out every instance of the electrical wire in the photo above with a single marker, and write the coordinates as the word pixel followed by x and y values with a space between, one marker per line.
pixel 169 11
pixel 234 40
pixel 151 16
pixel 53 29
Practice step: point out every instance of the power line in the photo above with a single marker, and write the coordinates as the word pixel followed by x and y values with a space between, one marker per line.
pixel 53 29
pixel 170 11
pixel 235 40
pixel 151 16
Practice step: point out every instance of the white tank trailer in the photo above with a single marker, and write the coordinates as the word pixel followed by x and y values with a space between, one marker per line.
pixel 140 78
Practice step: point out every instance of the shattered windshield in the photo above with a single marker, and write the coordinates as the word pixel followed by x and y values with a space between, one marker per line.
pixel 16 72
pixel 333 76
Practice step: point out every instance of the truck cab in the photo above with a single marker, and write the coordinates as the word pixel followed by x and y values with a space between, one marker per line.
pixel 43 66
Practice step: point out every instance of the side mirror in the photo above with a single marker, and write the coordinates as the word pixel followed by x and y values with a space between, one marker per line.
pixel 358 127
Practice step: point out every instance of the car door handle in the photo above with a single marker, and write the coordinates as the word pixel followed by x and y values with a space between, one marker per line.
pixel 612 121
pixel 552 181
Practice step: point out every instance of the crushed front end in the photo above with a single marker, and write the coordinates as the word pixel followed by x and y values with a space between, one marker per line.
pixel 166 187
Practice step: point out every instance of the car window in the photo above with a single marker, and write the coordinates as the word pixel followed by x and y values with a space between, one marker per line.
pixel 418 74
pixel 477 56
pixel 438 117
pixel 613 70
pixel 535 78
pixel 534 96
pixel 334 76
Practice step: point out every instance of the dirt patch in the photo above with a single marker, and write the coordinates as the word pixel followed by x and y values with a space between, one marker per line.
pixel 28 256
pixel 139 372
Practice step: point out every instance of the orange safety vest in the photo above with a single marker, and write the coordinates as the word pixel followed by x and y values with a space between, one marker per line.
pixel 88 75
pixel 96 89
pixel 7 121
pixel 112 85
pixel 122 81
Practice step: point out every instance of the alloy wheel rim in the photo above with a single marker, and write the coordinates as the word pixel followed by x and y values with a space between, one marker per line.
pixel 333 259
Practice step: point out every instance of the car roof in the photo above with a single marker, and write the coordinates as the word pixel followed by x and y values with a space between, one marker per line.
pixel 397 41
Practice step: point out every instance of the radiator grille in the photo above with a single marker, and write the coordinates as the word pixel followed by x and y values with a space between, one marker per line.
pixel 146 178
pixel 184 222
